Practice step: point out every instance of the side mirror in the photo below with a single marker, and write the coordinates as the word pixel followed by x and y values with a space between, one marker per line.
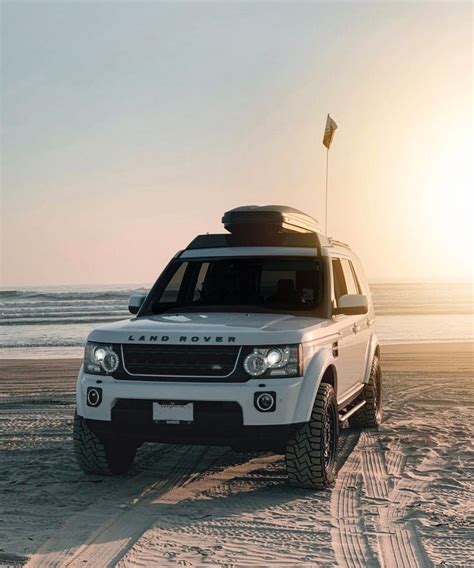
pixel 135 303
pixel 352 305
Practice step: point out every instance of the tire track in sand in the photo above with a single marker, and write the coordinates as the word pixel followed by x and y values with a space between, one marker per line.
pixel 373 483
pixel 114 533
pixel 350 543
pixel 254 519
pixel 398 542
pixel 101 534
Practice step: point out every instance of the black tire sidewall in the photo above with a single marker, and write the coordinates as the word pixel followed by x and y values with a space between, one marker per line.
pixel 331 403
pixel 97 456
pixel 376 376
pixel 305 463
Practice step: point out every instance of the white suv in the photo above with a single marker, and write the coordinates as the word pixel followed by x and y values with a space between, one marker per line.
pixel 259 339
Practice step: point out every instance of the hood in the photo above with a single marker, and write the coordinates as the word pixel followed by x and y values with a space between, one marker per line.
pixel 213 328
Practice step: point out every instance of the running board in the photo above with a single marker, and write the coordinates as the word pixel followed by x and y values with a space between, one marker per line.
pixel 353 410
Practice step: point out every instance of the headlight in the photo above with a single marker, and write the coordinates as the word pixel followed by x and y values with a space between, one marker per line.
pixel 274 361
pixel 100 359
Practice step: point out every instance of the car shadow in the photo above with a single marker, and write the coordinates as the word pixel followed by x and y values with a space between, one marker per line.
pixel 127 506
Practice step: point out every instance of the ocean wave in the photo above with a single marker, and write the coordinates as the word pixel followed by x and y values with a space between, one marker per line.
pixel 55 314
pixel 46 343
pixel 63 304
pixel 68 295
pixel 46 307
pixel 60 321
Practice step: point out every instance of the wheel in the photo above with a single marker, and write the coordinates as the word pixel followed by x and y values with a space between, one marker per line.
pixel 311 452
pixel 371 414
pixel 95 456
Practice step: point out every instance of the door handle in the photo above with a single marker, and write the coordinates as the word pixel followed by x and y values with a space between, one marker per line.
pixel 356 328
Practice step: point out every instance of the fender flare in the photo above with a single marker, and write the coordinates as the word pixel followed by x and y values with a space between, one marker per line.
pixel 313 375
pixel 372 349
pixel 79 397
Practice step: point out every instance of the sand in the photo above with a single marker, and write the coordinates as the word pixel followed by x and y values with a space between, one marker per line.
pixel 403 495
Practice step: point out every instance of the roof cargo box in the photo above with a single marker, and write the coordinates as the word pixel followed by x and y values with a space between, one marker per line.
pixel 268 219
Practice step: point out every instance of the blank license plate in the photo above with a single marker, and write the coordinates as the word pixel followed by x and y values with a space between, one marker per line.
pixel 173 413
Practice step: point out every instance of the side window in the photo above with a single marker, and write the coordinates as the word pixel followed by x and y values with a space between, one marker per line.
pixel 339 280
pixel 352 285
pixel 170 293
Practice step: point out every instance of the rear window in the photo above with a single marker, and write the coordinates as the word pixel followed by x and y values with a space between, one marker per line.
pixel 239 284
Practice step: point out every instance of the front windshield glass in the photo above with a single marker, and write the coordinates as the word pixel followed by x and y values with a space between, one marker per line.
pixel 281 285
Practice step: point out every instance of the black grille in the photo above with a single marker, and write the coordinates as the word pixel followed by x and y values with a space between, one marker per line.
pixel 180 360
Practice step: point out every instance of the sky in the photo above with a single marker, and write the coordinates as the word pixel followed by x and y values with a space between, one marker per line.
pixel 130 127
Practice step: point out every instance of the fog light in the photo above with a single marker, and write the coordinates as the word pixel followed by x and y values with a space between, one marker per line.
pixel 265 401
pixel 94 396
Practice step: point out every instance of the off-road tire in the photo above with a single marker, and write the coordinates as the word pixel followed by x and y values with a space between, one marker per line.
pixel 98 457
pixel 371 414
pixel 309 464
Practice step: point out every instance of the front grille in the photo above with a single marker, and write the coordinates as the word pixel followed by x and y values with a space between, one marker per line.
pixel 180 360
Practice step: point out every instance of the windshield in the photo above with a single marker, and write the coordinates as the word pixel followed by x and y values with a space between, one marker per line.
pixel 281 285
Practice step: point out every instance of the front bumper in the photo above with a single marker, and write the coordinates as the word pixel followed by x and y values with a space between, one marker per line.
pixel 141 429
pixel 288 392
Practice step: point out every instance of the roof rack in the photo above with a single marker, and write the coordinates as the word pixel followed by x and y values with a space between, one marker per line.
pixel 305 240
pixel 334 242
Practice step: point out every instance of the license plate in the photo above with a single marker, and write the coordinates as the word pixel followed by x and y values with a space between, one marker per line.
pixel 173 413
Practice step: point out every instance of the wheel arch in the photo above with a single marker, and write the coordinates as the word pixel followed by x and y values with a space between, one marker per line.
pixel 321 368
pixel 79 396
pixel 329 377
pixel 372 350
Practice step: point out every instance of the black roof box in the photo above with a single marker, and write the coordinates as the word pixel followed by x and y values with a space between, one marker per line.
pixel 268 219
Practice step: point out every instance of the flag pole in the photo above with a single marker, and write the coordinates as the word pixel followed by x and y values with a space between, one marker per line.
pixel 331 127
pixel 327 178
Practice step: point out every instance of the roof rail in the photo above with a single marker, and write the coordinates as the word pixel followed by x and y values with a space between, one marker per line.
pixel 334 242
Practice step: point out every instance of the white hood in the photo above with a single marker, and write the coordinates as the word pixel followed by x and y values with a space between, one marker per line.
pixel 213 328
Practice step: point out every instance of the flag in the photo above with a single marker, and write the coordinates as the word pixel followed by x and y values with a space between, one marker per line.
pixel 329 131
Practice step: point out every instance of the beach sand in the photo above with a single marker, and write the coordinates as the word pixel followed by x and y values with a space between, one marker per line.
pixel 403 496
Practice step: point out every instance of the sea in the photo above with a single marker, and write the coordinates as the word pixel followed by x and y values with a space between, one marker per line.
pixel 55 321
